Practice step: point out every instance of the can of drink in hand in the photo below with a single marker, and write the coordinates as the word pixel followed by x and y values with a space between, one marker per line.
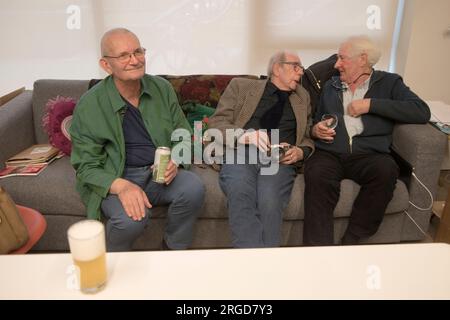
pixel 162 158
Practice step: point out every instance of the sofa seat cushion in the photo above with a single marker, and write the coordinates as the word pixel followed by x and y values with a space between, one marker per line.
pixel 349 192
pixel 215 199
pixel 51 192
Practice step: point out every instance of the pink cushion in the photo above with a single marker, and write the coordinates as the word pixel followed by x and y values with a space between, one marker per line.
pixel 56 122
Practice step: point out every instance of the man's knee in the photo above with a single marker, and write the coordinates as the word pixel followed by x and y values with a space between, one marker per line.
pixel 319 179
pixel 192 190
pixel 386 171
pixel 272 204
pixel 195 193
pixel 128 225
pixel 270 197
pixel 233 183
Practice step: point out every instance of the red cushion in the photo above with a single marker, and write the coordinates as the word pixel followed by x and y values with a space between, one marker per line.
pixel 56 122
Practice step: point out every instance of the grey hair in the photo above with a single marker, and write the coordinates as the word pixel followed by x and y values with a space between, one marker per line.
pixel 104 43
pixel 279 56
pixel 363 44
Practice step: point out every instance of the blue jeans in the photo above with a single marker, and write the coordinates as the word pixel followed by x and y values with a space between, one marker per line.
pixel 184 195
pixel 256 203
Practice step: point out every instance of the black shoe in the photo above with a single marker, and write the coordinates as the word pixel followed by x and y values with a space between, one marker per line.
pixel 349 239
pixel 164 245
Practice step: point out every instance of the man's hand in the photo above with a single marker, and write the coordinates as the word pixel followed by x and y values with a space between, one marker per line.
pixel 292 155
pixel 133 198
pixel 358 107
pixel 321 131
pixel 258 138
pixel 171 172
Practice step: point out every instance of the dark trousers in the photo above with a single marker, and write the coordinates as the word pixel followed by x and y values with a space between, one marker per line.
pixel 375 173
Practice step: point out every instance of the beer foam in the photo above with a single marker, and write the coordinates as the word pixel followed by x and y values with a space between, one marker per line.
pixel 86 240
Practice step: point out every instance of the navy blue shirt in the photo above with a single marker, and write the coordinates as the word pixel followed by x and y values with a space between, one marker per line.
pixel 139 147
pixel 288 125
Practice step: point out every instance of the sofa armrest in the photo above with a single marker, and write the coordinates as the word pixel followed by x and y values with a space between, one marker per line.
pixel 423 146
pixel 16 126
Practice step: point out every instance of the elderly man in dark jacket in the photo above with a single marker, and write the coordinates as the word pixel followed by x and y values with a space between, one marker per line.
pixel 367 104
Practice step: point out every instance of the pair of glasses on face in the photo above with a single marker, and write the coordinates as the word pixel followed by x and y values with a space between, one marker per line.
pixel 296 65
pixel 125 57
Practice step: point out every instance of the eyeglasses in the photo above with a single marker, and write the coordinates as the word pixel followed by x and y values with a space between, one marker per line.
pixel 125 57
pixel 297 66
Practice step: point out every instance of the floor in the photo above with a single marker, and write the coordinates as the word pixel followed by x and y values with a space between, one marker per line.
pixel 434 224
pixel 441 197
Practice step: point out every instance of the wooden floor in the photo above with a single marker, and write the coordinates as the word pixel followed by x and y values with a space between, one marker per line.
pixel 439 203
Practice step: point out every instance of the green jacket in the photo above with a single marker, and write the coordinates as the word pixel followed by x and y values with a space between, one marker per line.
pixel 98 147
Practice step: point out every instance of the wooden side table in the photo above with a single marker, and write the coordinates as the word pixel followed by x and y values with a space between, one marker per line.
pixel 443 232
pixel 4 99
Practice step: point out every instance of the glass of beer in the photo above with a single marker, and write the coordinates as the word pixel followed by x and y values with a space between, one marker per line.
pixel 87 245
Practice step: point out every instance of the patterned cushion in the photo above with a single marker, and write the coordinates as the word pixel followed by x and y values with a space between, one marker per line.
pixel 203 89
pixel 56 122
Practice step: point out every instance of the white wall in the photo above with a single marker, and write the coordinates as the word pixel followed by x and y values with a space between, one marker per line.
pixel 425 51
pixel 181 36
pixel 36 43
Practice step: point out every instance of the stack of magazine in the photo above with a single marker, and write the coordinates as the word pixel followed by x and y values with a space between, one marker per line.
pixel 31 161
pixel 440 115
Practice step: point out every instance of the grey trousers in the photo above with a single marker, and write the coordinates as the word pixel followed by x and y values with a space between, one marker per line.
pixel 256 201
pixel 184 195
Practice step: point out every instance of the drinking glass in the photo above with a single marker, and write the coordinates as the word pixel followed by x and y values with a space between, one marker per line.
pixel 331 121
pixel 277 151
pixel 87 245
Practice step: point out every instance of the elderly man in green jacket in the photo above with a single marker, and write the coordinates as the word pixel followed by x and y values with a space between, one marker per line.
pixel 116 129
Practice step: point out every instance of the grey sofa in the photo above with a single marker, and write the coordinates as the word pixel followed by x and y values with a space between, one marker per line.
pixel 53 193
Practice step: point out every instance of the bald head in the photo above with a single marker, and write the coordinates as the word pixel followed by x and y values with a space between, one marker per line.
pixel 107 39
pixel 122 55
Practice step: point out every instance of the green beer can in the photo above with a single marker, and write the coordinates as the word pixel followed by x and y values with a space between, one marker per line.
pixel 162 158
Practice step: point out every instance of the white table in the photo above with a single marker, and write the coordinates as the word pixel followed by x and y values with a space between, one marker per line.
pixel 404 271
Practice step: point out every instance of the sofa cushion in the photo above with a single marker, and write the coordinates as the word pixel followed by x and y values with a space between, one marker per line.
pixel 48 89
pixel 56 122
pixel 201 88
pixel 60 196
pixel 52 192
pixel 215 199
pixel 204 89
pixel 349 192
